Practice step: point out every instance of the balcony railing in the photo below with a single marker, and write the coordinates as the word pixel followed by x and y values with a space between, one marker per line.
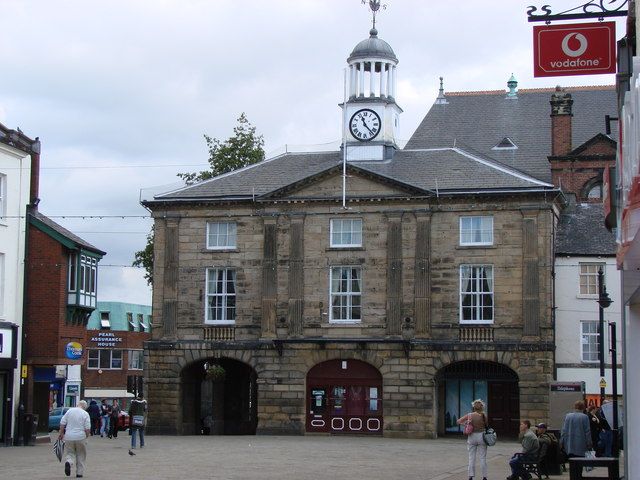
pixel 475 334
pixel 219 333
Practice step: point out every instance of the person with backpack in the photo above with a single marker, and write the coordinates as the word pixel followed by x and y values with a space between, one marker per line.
pixel 475 423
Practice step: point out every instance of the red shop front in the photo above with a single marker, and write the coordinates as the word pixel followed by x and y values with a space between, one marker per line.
pixel 344 396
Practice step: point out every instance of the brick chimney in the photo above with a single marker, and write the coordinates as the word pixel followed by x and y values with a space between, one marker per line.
pixel 35 174
pixel 561 103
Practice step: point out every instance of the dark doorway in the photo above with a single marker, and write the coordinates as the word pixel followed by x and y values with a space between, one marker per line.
pixel 344 396
pixel 219 406
pixel 462 382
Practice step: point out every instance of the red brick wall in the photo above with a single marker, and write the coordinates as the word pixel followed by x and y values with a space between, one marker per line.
pixel 112 378
pixel 560 134
pixel 45 326
pixel 572 174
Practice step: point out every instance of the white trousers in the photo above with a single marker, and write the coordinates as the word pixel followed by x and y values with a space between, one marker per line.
pixel 476 445
pixel 76 453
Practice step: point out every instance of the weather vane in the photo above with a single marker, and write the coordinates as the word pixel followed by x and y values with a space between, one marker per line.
pixel 374 5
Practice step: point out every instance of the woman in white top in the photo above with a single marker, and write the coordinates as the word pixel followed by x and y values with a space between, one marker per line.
pixel 475 440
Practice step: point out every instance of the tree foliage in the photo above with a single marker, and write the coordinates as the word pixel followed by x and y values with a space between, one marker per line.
pixel 243 148
pixel 144 258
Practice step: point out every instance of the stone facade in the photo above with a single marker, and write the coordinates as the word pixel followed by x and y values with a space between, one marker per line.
pixel 410 328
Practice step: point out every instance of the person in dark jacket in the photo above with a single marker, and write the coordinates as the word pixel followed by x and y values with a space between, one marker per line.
pixel 137 420
pixel 549 448
pixel 94 415
pixel 115 415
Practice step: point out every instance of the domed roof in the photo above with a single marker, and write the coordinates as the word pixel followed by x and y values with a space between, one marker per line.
pixel 373 47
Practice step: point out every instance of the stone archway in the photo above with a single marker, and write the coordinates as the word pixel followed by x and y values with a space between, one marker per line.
pixel 344 396
pixel 459 383
pixel 219 406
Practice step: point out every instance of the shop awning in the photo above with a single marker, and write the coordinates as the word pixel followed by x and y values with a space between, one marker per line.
pixel 106 393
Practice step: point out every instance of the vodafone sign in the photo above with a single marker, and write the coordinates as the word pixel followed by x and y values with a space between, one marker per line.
pixel 577 49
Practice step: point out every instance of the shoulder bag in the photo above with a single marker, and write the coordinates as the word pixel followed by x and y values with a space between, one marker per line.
pixel 468 426
pixel 489 436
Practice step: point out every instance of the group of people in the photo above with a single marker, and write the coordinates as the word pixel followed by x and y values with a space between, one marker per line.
pixel 104 418
pixel 582 431
pixel 81 422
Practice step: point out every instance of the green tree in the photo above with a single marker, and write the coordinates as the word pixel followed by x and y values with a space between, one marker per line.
pixel 243 148
pixel 144 258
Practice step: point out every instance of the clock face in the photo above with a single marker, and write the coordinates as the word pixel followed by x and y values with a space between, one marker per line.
pixel 365 124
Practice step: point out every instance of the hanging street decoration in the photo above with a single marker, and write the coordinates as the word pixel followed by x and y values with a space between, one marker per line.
pixel 574 49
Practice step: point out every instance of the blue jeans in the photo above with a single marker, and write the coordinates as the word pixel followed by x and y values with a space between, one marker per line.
pixel 104 425
pixel 606 441
pixel 516 465
pixel 134 431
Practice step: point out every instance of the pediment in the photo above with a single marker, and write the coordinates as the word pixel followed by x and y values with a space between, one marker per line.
pixel 329 184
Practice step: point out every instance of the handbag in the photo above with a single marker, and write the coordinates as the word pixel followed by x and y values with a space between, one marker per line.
pixel 137 420
pixel 489 436
pixel 468 426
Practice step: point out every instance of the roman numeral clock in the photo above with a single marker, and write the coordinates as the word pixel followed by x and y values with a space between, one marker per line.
pixel 365 124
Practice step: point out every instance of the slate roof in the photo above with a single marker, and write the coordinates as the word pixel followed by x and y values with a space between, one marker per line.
pixel 581 231
pixel 452 149
pixel 65 233
pixel 480 120
pixel 445 170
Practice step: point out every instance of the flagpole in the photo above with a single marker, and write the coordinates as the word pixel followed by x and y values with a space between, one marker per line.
pixel 344 142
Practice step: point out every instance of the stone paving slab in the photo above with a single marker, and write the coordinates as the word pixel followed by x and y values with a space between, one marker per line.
pixel 262 457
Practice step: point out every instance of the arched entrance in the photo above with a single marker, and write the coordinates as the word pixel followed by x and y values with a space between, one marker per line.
pixel 462 382
pixel 344 396
pixel 219 406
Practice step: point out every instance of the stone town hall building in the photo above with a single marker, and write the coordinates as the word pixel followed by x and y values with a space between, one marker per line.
pixel 430 286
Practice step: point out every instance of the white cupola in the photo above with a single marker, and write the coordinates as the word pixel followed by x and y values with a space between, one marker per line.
pixel 371 115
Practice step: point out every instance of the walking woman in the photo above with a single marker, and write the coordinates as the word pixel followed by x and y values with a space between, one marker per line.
pixel 475 441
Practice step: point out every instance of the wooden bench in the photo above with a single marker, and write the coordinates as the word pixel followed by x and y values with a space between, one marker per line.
pixel 576 465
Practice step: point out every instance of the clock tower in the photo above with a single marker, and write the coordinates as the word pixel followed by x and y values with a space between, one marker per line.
pixel 370 113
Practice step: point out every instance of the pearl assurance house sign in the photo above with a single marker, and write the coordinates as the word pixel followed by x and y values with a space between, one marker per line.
pixel 574 49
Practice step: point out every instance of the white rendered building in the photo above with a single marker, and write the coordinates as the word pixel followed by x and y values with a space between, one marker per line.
pixel 17 152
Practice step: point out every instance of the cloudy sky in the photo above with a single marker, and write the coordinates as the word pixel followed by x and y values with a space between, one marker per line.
pixel 121 92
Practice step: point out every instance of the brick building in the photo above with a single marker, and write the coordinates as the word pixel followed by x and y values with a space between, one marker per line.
pixel 61 293
pixel 372 289
pixel 114 357
pixel 583 246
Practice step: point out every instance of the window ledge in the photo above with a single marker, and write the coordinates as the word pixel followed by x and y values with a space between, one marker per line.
pixel 467 247
pixel 219 250
pixel 342 249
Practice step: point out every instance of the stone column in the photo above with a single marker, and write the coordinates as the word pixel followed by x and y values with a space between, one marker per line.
pixel 372 80
pixel 296 276
pixel 394 274
pixel 393 81
pixel 422 282
pixel 269 279
pixel 383 80
pixel 361 80
pixel 170 279
pixel 352 81
pixel 530 277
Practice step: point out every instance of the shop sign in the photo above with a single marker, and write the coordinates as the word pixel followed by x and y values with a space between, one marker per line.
pixel 106 339
pixel 73 350
pixel 73 389
pixel 574 49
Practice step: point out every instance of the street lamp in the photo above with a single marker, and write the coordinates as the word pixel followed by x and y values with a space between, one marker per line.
pixel 603 302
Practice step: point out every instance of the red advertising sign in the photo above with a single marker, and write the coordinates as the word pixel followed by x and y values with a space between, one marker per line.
pixel 576 49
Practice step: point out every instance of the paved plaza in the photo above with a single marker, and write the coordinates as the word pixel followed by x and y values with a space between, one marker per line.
pixel 262 457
